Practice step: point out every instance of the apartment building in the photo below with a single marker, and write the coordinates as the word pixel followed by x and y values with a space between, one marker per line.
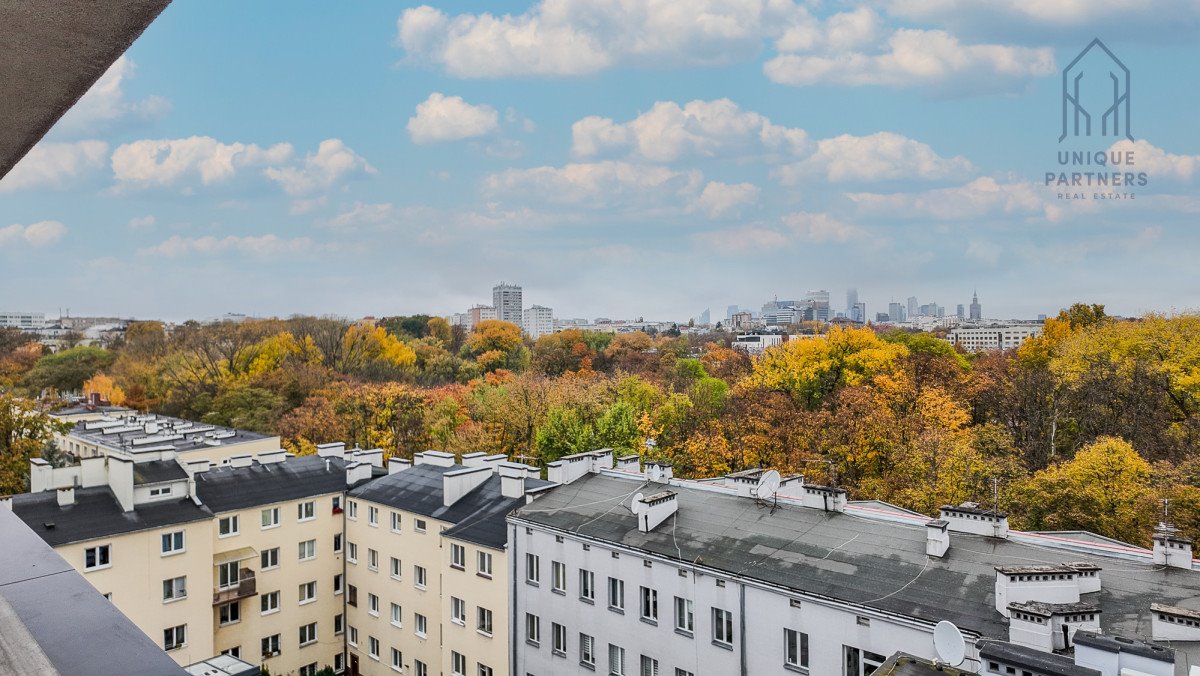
pixel 132 434
pixel 538 321
pixel 427 565
pixel 622 571
pixel 990 338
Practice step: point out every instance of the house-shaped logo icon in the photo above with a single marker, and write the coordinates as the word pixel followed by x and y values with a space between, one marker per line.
pixel 1086 85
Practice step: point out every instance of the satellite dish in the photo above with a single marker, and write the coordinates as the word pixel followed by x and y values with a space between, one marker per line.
pixel 768 484
pixel 949 644
pixel 636 505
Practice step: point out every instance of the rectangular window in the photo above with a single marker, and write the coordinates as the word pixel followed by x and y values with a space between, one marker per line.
pixel 395 522
pixel 270 646
pixel 157 492
pixel 458 556
pixel 587 585
pixel 337 543
pixel 419 525
pixel 458 611
pixel 337 584
pixel 308 634
pixel 306 511
pixel 485 670
pixel 558 636
pixel 230 613
pixel 373 647
pixel 420 669
pixel 308 592
pixel 683 672
pixel 172 543
pixel 373 604
pixel 649 604
pixel 227 526
pixel 587 650
pixel 558 577
pixel 533 628
pixel 352 596
pixel 421 623
pixel 420 577
pixel 269 558
pixel 269 603
pixel 616 660
pixel 175 637
pixel 270 517
pixel 795 648
pixel 397 615
pixel 235 651
pixel 308 550
pixel 228 575
pixel 395 568
pixel 483 618
pixel 533 569
pixel 372 559
pixel 483 563
pixel 175 589
pixel 458 664
pixel 338 621
pixel 352 637
pixel 649 666
pixel 616 593
pixel 722 626
pixel 372 515
pixel 351 552
pixel 351 509
pixel 309 669
pixel 684 619
pixel 97 557
pixel 397 659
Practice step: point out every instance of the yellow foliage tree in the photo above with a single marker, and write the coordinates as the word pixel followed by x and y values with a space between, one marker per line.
pixel 104 386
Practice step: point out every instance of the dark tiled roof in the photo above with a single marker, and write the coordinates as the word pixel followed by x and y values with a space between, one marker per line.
pixel 1032 658
pixel 156 471
pixel 96 514
pixel 226 488
pixel 877 563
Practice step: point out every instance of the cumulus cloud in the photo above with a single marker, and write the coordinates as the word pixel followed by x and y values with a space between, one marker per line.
pixel 146 222
pixel 877 157
pixel 598 184
pixel 363 213
pixel 42 233
pixel 1159 163
pixel 105 105
pixel 450 118
pixel 166 162
pixel 821 228
pixel 984 251
pixel 261 246
pixel 332 162
pixel 718 199
pixel 698 129
pixel 743 239
pixel 55 165
pixel 982 197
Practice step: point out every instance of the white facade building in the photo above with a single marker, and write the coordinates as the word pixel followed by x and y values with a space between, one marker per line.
pixel 506 299
pixel 538 321
pixel 987 338
pixel 757 343
pixel 22 320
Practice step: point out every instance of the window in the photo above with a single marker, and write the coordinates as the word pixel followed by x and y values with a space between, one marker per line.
pixel 683 672
pixel 339 658
pixel 309 669
pixel 650 604
pixel 684 620
pixel 485 670
pixel 372 515
pixel 97 557
pixel 616 594
pixel 795 648
pixel 395 522
pixel 458 664
pixel 419 574
pixel 419 668
pixel 235 651
pixel 306 511
pixel 616 660
pixel 458 556
pixel 649 666
pixel 337 504
pixel 337 543
pixel 352 637
pixel 533 629
pixel 483 563
pixel 269 558
pixel 270 517
pixel 351 552
pixel 337 584
pixel 308 634
pixel 587 585
pixel 395 568
pixel 458 610
pixel 397 659
pixel 270 646
pixel 230 613
pixel 352 596
pixel 308 550
pixel 338 622
pixel 227 575
pixel 174 589
pixel 421 624
pixel 587 650
pixel 533 568
pixel 172 543
pixel 227 526
pixel 175 637
pixel 351 509
pixel 483 623
pixel 308 592
pixel 163 490
pixel 373 604
pixel 722 626
pixel 558 577
pixel 558 636
pixel 397 615
pixel 419 525
pixel 269 603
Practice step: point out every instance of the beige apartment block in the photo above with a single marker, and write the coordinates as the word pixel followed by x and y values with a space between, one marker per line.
pixel 426 568
pixel 124 432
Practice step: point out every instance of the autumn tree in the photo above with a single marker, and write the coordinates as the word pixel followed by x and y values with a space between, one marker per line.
pixel 102 385
pixel 68 370
pixel 24 431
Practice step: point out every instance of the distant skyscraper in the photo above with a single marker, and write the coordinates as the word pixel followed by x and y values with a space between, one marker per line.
pixel 705 318
pixel 912 306
pixel 859 313
pixel 538 321
pixel 976 308
pixel 506 298
pixel 896 312
pixel 731 311
pixel 851 301
pixel 960 311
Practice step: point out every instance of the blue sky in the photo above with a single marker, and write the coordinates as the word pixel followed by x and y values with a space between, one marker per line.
pixel 618 159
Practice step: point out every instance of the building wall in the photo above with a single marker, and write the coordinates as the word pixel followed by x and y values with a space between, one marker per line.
pixel 478 591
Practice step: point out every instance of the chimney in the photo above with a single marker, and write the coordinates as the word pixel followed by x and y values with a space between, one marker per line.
pixel 969 518
pixel 628 463
pixel 92 472
pixel 494 461
pixel 6 502
pixel 1050 626
pixel 654 509
pixel 458 483
pixel 120 480
pixel 66 496
pixel 194 467
pixel 398 465
pixel 601 459
pixel 240 461
pixel 356 472
pixel 41 475
pixel 1171 623
pixel 512 480
pixel 1115 654
pixel 274 456
pixel 1087 576
pixel 1171 548
pixel 937 538
pixel 473 459
pixel 568 468
pixel 373 457
pixel 333 449
pixel 827 498
pixel 435 458
pixel 1022 584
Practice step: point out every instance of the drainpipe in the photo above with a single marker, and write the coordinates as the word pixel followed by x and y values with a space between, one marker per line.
pixel 742 627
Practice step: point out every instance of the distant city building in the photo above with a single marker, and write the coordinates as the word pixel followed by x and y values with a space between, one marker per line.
pixel 731 311
pixel 538 321
pixel 741 321
pixel 882 317
pixel 705 318
pixel 22 320
pixel 757 343
pixel 976 308
pixel 988 338
pixel 960 312
pixel 896 312
pixel 851 301
pixel 912 306
pixel 506 299
pixel 480 313
pixel 858 313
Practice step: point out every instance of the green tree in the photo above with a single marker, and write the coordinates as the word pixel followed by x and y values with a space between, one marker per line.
pixel 25 430
pixel 66 371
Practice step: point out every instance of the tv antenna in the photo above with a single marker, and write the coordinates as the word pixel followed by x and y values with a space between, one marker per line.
pixel 949 643
pixel 768 488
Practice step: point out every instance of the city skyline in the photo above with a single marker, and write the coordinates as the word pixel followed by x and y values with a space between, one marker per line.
pixel 401 175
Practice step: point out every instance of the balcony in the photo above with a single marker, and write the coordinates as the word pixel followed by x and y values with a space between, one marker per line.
pixel 246 587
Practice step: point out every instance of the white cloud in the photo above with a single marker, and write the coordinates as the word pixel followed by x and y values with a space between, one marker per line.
pixel 450 118
pixel 362 213
pixel 105 104
pixel 878 157
pixel 306 206
pixel 167 162
pixel 55 165
pixel 599 184
pixel 984 251
pixel 262 246
pixel 743 239
pixel 698 129
pixel 718 198
pixel 982 197
pixel 332 162
pixel 42 233
pixel 1156 162
pixel 143 222
pixel 821 228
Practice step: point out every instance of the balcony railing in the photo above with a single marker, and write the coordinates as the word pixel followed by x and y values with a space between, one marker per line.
pixel 246 587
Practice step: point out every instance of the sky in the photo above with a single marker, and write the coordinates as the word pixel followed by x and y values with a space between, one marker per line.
pixel 616 158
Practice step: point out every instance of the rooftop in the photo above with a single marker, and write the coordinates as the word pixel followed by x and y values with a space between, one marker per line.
pixel 135 432
pixel 96 514
pixel 1023 656
pixel 225 488
pixel 903 664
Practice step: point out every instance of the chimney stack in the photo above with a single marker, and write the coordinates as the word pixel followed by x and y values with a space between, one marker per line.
pixel 937 538
pixel 398 465
pixel 66 496
pixel 628 463
pixel 512 480
pixel 654 509
pixel 333 449
pixel 120 480
pixel 356 472
pixel 1171 548
pixel 459 482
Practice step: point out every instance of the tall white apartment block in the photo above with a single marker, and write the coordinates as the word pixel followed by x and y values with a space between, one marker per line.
pixel 506 298
pixel 538 321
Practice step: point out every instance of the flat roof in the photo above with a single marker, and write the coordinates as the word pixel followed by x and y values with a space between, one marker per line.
pixel 97 514
pixel 1024 656
pixel 127 433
